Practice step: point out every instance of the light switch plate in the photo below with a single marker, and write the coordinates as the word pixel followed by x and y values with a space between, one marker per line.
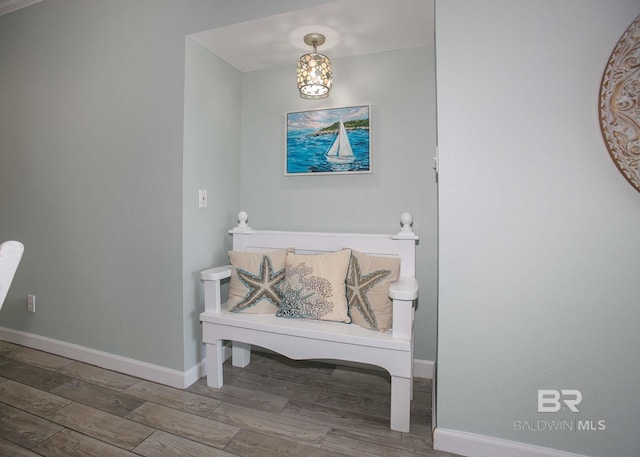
pixel 31 303
pixel 202 198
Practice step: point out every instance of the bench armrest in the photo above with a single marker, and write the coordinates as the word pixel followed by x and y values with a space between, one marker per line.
pixel 404 288
pixel 212 279
pixel 216 274
pixel 403 292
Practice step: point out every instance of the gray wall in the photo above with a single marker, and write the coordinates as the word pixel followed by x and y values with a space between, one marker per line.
pixel 400 87
pixel 538 230
pixel 211 161
pixel 91 175
pixel 99 182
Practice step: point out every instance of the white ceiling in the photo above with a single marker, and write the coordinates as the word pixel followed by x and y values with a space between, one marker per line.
pixel 351 27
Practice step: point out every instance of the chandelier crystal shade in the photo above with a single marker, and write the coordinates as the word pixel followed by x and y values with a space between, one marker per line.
pixel 315 75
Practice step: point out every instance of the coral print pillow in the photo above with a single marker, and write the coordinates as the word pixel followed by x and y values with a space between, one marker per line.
pixel 368 283
pixel 314 286
pixel 256 281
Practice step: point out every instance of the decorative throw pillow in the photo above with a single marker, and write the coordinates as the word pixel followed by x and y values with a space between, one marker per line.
pixel 256 281
pixel 368 283
pixel 314 286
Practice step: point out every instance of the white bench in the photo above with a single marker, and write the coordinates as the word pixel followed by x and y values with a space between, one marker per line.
pixel 312 339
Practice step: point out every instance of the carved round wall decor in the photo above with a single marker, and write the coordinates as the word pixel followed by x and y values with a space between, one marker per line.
pixel 620 104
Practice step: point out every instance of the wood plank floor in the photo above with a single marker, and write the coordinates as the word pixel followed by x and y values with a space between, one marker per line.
pixel 52 406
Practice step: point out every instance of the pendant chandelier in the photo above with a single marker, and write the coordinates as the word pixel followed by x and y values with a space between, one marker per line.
pixel 314 70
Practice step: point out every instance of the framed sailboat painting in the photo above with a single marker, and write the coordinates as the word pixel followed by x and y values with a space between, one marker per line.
pixel 328 141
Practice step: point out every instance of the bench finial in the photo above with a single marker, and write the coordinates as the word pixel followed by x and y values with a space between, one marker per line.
pixel 242 226
pixel 406 219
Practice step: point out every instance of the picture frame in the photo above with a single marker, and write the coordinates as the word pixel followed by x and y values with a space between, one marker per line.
pixel 328 141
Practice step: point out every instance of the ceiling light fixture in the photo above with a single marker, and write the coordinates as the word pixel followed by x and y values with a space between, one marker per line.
pixel 314 70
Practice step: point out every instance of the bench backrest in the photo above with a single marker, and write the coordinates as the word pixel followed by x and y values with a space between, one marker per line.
pixel 314 243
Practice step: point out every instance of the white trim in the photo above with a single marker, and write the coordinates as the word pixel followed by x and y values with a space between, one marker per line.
pixel 473 445
pixel 133 367
pixel 8 6
pixel 194 373
pixel 423 368
pixel 148 371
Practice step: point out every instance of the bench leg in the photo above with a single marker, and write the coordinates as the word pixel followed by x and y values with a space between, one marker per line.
pixel 400 403
pixel 240 354
pixel 411 386
pixel 215 358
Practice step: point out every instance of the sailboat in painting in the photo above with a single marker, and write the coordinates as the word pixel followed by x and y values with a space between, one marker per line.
pixel 340 151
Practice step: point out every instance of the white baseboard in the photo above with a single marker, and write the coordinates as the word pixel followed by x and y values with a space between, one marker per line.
pixel 132 367
pixel 423 368
pixel 473 445
pixel 8 7
pixel 194 373
pixel 148 371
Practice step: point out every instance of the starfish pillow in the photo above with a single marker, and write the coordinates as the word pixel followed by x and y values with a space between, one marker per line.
pixel 256 281
pixel 368 281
